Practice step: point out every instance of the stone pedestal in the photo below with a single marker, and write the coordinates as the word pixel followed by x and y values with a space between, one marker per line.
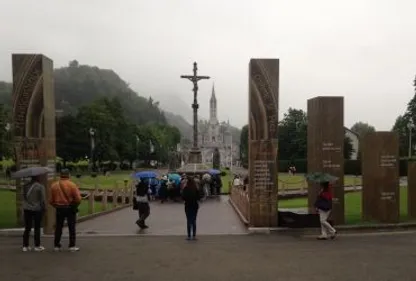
pixel 195 156
pixel 33 123
pixel 411 189
pixel 326 149
pixel 263 125
pixel 380 172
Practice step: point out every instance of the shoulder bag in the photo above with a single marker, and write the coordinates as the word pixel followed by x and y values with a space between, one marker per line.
pixel 72 206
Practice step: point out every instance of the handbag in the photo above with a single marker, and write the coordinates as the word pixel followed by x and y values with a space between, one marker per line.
pixel 72 206
pixel 323 204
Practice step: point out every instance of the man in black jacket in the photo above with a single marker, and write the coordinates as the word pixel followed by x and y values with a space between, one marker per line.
pixel 142 197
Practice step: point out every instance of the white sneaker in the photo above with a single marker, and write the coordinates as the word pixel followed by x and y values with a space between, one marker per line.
pixel 74 249
pixel 57 249
pixel 39 249
pixel 26 249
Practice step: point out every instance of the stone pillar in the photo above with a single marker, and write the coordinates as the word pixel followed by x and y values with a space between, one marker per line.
pixel 411 189
pixel 263 126
pixel 33 129
pixel 326 135
pixel 380 172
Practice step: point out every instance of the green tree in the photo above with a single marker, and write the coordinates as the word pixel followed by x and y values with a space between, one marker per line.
pixel 361 128
pixel 244 145
pixel 293 135
pixel 348 148
pixel 400 126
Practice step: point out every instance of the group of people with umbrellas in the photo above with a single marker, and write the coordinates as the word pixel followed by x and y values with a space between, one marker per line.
pixel 184 188
pixel 169 186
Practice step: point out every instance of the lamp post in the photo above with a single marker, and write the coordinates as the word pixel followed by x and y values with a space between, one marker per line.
pixel 410 126
pixel 92 136
pixel 5 140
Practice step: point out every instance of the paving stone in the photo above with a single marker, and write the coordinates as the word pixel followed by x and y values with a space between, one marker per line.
pixel 229 257
pixel 215 216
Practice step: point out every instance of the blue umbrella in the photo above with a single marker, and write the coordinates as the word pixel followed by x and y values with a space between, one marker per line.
pixel 145 174
pixel 214 172
pixel 175 178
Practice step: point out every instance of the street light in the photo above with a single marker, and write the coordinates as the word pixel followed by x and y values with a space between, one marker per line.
pixel 410 126
pixel 92 135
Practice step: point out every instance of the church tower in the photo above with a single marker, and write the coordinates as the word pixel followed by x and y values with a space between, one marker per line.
pixel 213 107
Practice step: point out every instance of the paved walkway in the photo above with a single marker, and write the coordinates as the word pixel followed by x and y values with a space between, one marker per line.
pixel 231 258
pixel 216 216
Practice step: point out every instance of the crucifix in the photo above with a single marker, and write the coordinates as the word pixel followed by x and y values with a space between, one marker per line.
pixel 194 79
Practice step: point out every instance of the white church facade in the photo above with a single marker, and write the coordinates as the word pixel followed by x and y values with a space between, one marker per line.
pixel 214 134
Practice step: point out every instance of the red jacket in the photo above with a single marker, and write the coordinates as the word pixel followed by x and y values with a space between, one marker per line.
pixel 327 194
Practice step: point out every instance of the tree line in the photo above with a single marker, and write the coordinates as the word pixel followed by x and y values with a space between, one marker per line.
pixel 292 135
pixel 114 137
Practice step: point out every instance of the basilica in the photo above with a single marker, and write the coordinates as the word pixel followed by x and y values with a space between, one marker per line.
pixel 214 134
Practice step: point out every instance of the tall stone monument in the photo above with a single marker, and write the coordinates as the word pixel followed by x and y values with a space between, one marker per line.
pixel 326 149
pixel 263 126
pixel 33 123
pixel 195 155
pixel 411 189
pixel 380 172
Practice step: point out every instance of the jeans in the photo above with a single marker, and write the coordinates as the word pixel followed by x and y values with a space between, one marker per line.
pixel 144 212
pixel 191 214
pixel 71 216
pixel 325 225
pixel 31 217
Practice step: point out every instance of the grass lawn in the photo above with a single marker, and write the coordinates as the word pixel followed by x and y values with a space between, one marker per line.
pixel 8 208
pixel 352 206
pixel 285 181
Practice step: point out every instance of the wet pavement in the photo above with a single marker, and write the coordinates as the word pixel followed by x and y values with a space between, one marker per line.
pixel 230 257
pixel 215 217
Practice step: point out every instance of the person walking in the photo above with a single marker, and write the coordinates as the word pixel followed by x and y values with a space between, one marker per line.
pixel 191 196
pixel 34 206
pixel 143 206
pixel 65 197
pixel 323 206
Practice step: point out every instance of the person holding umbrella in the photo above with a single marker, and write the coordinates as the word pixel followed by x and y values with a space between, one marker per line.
pixel 323 203
pixel 33 205
pixel 143 206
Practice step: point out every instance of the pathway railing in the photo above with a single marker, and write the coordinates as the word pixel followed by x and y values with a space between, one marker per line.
pixel 107 199
pixel 240 200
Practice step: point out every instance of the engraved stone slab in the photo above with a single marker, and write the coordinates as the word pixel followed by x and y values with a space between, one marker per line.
pixel 380 172
pixel 33 119
pixel 263 125
pixel 326 149
pixel 411 189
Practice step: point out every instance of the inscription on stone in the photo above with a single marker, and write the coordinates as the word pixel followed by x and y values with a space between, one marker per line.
pixel 388 161
pixel 262 174
pixel 329 146
pixel 388 196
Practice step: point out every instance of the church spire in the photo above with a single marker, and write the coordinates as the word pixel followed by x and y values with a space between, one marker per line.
pixel 213 98
pixel 213 106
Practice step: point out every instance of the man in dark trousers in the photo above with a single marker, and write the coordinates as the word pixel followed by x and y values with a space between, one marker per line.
pixel 65 197
pixel 142 197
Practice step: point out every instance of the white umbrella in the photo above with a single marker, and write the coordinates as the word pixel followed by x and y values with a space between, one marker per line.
pixel 31 172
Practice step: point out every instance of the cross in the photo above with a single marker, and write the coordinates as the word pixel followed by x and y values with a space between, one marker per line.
pixel 194 79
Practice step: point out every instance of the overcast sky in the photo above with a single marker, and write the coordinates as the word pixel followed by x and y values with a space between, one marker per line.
pixel 364 50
